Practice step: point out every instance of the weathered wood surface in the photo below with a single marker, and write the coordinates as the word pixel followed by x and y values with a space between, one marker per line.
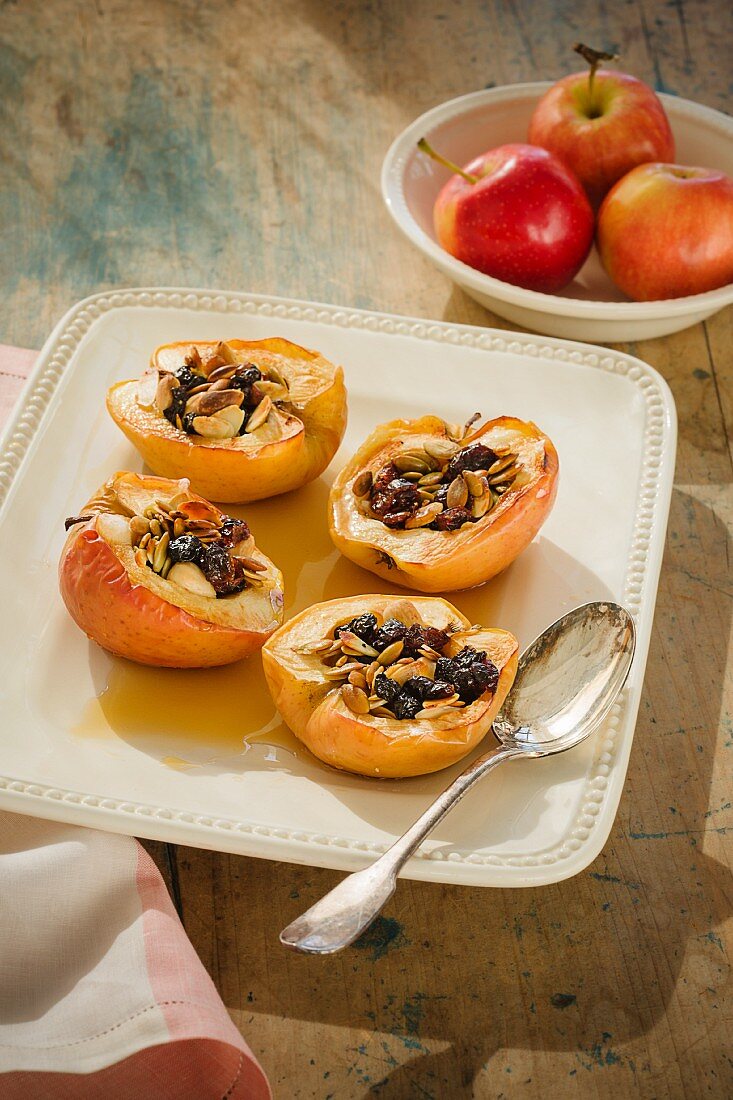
pixel 239 145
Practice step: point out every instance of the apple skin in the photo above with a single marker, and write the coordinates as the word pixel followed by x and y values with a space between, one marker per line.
pixel 130 621
pixel 526 220
pixel 666 231
pixel 600 142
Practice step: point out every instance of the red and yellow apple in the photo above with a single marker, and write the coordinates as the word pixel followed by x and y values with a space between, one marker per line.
pixel 141 605
pixel 665 231
pixel 601 124
pixel 334 718
pixel 492 528
pixel 290 446
pixel 516 213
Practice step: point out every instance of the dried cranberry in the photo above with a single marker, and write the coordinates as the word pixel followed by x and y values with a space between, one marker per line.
pixel 188 378
pixel 397 496
pixel 223 571
pixel 476 456
pixel 406 705
pixel 486 675
pixel 363 626
pixel 385 688
pixel 452 518
pixel 187 548
pixel 439 689
pixel 390 631
pixel 395 520
pixel 244 379
pixel 418 636
pixel 418 686
pixel 233 531
pixel 384 476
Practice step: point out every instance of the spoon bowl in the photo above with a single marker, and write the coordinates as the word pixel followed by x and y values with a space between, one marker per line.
pixel 565 685
pixel 567 680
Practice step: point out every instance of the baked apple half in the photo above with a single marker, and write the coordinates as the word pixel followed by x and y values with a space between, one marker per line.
pixel 153 572
pixel 387 687
pixel 437 507
pixel 242 420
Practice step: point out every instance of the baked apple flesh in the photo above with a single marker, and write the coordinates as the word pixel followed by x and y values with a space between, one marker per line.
pixel 243 419
pixel 386 687
pixel 156 573
pixel 438 507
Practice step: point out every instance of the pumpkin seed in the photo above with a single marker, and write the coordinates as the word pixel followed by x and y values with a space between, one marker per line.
pixel 433 478
pixel 457 493
pixel 477 485
pixel 409 461
pixel 356 699
pixel 161 552
pixel 363 483
pixel 423 516
pixel 480 505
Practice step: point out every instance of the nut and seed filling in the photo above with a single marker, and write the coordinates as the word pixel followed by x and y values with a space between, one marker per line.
pixel 221 398
pixel 182 546
pixel 441 486
pixel 391 670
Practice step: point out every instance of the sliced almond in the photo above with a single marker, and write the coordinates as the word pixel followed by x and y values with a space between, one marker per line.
pixel 223 425
pixel 274 390
pixel 114 528
pixel 147 388
pixel 404 611
pixel 260 415
pixel 164 391
pixel 244 548
pixel 391 653
pixel 188 575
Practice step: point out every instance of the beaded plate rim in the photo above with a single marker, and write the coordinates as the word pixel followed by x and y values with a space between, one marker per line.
pixel 654 490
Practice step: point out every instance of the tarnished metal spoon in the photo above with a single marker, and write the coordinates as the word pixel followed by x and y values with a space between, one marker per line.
pixel 565 685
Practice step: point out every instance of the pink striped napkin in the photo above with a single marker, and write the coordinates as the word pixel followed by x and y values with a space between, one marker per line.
pixel 102 996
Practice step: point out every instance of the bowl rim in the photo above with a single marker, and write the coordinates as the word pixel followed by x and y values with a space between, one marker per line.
pixel 393 194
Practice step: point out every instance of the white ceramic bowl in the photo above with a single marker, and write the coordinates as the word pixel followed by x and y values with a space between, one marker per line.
pixel 591 307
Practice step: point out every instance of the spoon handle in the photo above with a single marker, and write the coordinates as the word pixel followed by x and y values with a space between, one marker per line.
pixel 342 915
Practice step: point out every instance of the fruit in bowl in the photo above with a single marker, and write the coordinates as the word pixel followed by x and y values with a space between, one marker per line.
pixel 515 213
pixel 153 572
pixel 242 419
pixel 439 507
pixel 388 688
pixel 601 124
pixel 666 231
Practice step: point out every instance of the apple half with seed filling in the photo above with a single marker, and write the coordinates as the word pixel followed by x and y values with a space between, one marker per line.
pixel 439 507
pixel 242 419
pixel 155 573
pixel 389 687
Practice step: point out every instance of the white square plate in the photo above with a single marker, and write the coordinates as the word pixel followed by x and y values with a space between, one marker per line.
pixel 202 758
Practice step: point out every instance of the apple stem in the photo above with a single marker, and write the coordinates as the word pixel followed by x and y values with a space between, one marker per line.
pixel 594 58
pixel 425 147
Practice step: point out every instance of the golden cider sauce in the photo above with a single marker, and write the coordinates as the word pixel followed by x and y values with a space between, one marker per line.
pixel 191 718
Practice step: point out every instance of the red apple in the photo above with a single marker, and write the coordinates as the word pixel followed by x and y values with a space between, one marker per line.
pixel 516 213
pixel 665 231
pixel 601 124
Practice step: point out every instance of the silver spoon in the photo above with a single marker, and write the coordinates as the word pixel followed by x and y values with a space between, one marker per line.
pixel 565 685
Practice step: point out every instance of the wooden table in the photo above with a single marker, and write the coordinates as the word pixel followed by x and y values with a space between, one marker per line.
pixel 239 145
